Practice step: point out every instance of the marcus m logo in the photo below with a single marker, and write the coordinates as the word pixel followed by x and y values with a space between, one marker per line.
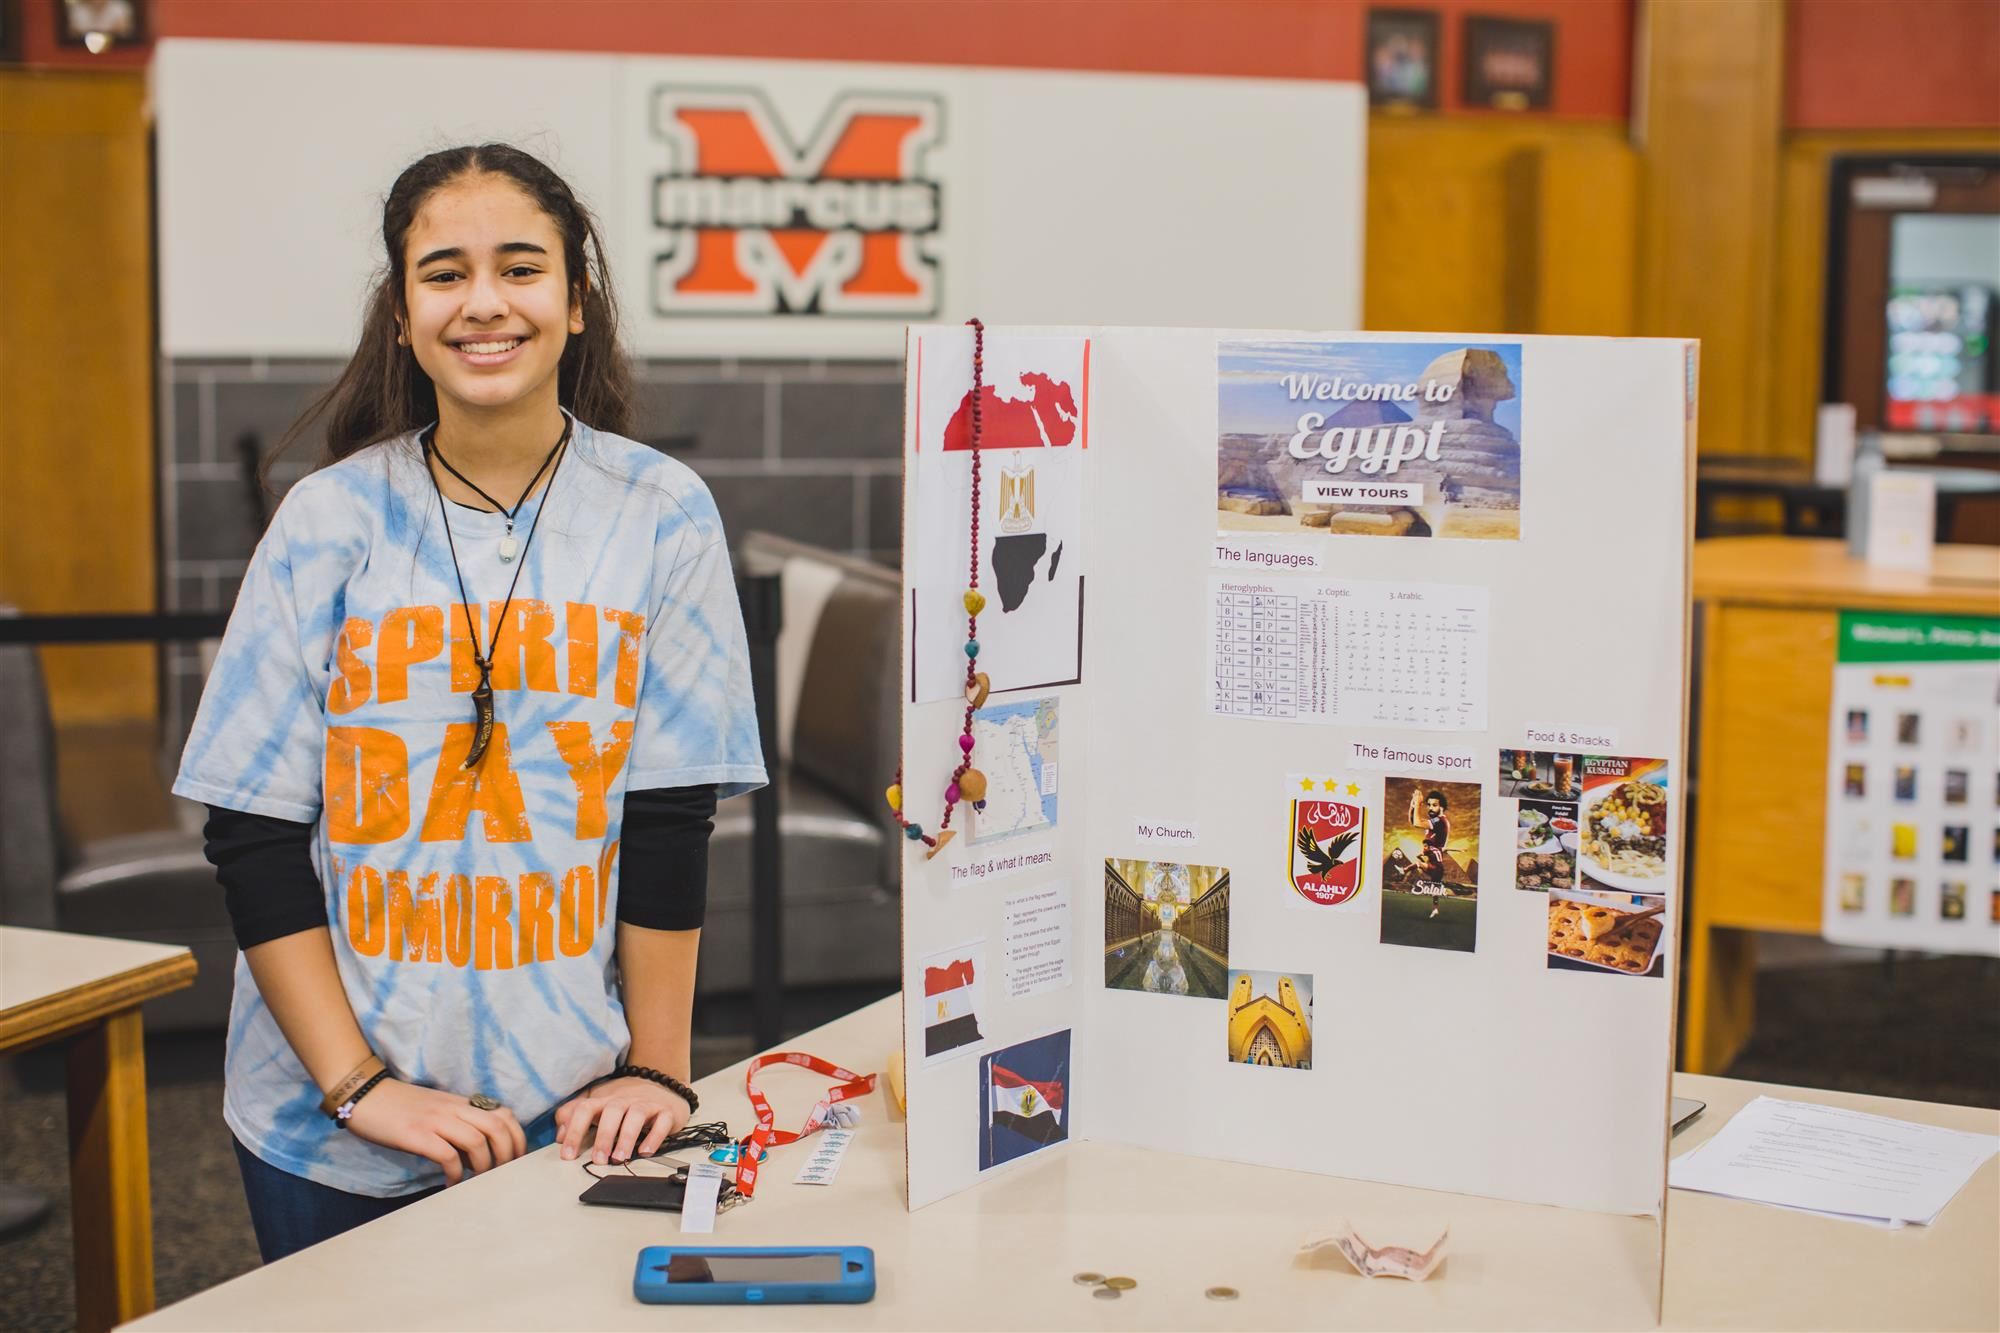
pixel 757 222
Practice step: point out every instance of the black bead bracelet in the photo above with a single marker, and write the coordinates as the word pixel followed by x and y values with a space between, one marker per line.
pixel 345 1111
pixel 667 1081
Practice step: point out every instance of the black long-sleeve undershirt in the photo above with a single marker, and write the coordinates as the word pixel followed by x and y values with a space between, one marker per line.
pixel 268 883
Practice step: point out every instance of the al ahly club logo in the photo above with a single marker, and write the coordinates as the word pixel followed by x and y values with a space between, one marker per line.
pixel 1326 850
pixel 757 223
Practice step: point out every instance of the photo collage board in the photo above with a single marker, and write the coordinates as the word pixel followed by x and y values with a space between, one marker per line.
pixel 1368 755
pixel 1913 784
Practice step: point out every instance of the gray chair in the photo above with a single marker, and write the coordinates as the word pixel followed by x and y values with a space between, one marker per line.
pixel 142 886
pixel 839 680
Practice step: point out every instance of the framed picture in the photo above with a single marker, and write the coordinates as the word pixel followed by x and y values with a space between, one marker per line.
pixel 99 25
pixel 1509 63
pixel 1403 58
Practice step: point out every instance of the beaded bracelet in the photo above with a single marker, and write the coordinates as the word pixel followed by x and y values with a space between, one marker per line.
pixel 355 1077
pixel 346 1109
pixel 667 1081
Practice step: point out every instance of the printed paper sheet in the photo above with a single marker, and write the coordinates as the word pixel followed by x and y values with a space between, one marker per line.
pixel 1408 656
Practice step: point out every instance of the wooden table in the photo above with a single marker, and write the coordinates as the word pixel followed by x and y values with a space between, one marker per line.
pixel 1770 610
pixel 88 990
pixel 513 1249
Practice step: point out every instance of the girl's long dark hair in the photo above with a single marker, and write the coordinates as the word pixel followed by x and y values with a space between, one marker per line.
pixel 383 392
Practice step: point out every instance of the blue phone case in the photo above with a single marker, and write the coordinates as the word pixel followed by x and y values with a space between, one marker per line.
pixel 856 1284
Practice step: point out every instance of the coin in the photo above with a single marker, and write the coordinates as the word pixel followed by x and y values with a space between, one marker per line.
pixel 1120 1283
pixel 1107 1293
pixel 1221 1293
pixel 1088 1279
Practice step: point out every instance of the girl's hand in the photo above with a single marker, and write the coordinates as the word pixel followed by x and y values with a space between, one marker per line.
pixel 622 1109
pixel 443 1126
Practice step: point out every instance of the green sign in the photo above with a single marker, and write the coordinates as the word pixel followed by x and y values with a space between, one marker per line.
pixel 1883 636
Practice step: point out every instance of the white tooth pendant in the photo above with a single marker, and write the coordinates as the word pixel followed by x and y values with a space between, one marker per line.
pixel 509 548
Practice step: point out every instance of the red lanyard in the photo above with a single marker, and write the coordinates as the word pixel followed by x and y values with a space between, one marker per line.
pixel 764 1136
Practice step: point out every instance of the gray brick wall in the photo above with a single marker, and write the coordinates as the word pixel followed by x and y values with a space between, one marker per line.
pixel 808 449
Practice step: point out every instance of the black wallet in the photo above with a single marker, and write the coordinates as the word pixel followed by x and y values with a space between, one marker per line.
pixel 663 1193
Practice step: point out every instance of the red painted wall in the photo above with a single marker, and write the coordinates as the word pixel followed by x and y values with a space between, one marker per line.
pixel 1892 64
pixel 1294 39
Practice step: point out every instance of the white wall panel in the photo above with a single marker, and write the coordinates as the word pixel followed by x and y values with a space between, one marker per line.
pixel 1062 197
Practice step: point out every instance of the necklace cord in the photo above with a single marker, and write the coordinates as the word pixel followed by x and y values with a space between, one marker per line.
pixel 445 463
pixel 485 663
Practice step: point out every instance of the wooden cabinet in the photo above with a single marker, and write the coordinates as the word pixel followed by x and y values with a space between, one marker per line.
pixel 1770 610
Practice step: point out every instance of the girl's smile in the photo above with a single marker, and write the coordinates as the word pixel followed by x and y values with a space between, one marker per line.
pixel 490 351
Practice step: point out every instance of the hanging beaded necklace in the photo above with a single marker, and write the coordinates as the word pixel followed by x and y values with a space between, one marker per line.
pixel 482 695
pixel 967 783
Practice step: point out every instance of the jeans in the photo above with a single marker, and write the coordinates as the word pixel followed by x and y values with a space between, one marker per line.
pixel 290 1212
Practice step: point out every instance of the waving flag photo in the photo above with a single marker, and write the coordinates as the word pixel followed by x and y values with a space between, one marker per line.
pixel 1025 1099
pixel 1031 1108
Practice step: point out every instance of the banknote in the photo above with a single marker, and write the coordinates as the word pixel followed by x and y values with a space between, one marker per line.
pixel 1383 1260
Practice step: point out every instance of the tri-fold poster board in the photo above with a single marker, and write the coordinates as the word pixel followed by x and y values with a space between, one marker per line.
pixel 1334 754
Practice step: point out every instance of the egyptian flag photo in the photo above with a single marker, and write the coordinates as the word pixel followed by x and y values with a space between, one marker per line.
pixel 1025 1095
pixel 952 997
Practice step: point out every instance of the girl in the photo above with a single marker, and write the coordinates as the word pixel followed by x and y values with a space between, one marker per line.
pixel 484 682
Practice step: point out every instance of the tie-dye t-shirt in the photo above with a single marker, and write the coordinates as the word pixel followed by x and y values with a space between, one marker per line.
pixel 473 912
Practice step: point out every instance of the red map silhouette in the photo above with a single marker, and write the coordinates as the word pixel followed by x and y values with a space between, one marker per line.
pixel 1047 416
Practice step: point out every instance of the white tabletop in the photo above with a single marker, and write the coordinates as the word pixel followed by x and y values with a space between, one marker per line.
pixel 38 964
pixel 515 1250
pixel 51 979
